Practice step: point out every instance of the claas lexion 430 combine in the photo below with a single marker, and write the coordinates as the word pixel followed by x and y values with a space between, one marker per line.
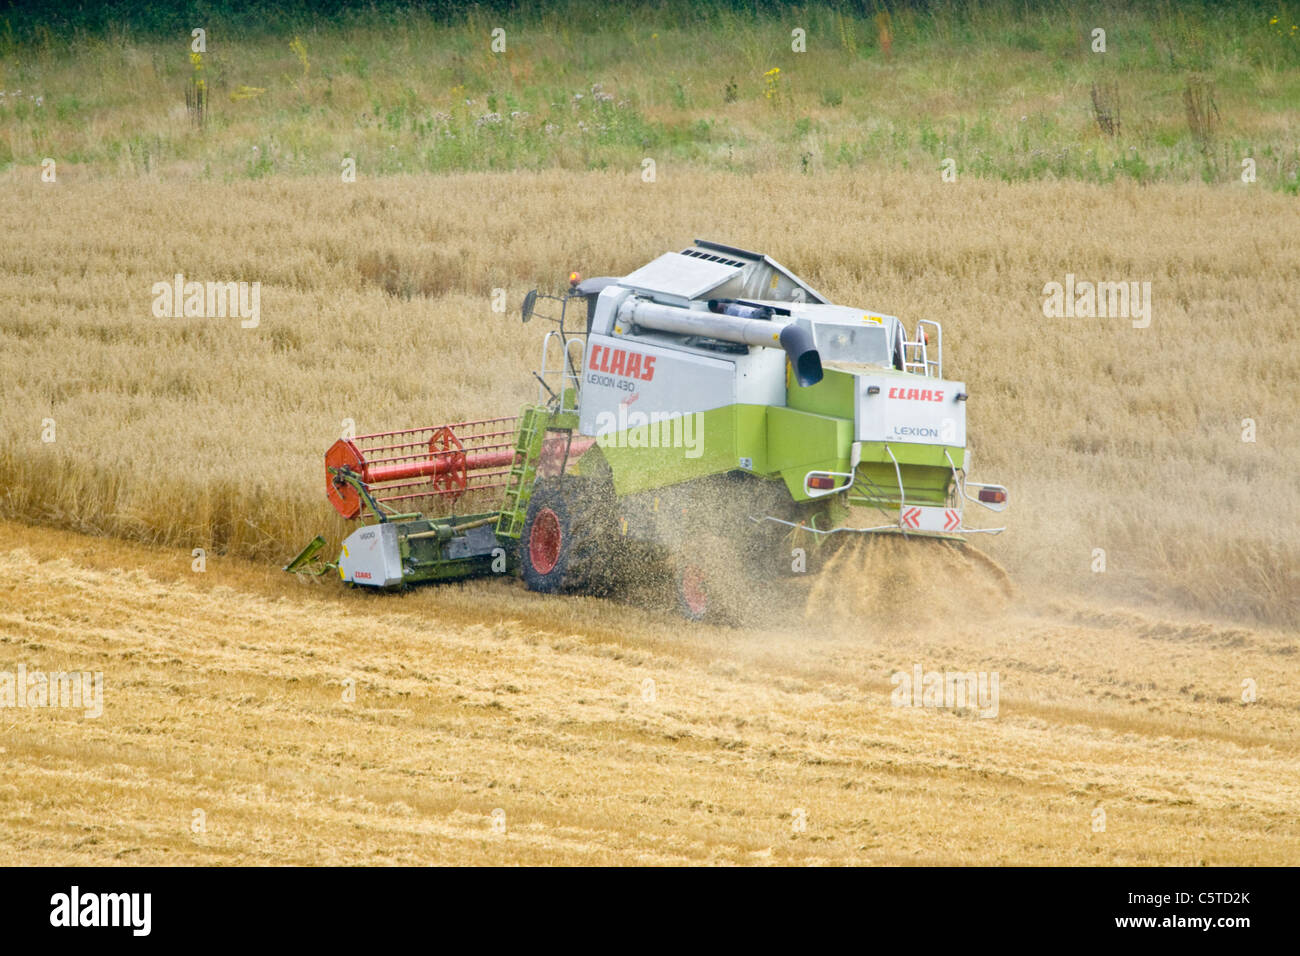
pixel 710 416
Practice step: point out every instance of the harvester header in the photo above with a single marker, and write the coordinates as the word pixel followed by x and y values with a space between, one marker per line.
pixel 416 468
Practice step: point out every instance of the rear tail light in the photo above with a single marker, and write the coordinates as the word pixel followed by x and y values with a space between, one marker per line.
pixel 993 495
pixel 821 482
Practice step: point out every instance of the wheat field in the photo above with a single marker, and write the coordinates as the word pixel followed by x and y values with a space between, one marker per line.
pixel 377 306
pixel 228 735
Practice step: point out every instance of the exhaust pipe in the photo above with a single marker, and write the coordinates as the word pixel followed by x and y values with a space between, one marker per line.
pixel 794 339
pixel 802 352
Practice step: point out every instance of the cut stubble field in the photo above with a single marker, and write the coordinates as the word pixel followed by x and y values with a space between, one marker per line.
pixel 1120 737
pixel 1121 690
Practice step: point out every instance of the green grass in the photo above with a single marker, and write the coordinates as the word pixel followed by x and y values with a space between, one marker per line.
pixel 1002 89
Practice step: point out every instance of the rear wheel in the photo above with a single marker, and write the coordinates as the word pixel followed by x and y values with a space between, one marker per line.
pixel 709 581
pixel 692 591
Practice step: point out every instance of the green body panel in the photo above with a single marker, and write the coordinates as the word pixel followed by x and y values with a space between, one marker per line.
pixel 772 442
pixel 799 442
pixel 752 437
pixel 426 558
pixel 925 472
pixel 779 442
pixel 833 395
pixel 710 448
pixel 932 455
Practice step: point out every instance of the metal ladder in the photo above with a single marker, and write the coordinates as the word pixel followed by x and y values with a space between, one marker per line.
pixel 565 374
pixel 916 356
pixel 519 483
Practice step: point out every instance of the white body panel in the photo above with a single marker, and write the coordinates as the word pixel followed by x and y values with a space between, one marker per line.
pixel 913 409
pixel 370 556
pixel 624 378
pixel 760 377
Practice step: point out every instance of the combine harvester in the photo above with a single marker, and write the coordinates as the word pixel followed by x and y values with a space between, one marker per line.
pixel 710 414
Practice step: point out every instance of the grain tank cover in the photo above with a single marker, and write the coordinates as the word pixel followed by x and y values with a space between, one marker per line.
pixel 710 270
pixel 681 276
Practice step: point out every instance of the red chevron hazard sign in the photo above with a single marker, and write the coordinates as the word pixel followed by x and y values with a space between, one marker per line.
pixel 921 518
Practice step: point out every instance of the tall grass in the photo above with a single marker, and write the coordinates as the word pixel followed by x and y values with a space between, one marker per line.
pixel 1001 88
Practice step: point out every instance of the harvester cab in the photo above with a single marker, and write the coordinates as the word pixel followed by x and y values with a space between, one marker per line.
pixel 709 405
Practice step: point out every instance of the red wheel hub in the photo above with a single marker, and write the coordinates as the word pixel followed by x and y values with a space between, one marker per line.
pixel 544 541
pixel 453 472
pixel 694 593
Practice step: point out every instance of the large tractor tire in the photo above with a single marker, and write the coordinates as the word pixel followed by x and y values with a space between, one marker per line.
pixel 691 587
pixel 568 542
pixel 709 581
